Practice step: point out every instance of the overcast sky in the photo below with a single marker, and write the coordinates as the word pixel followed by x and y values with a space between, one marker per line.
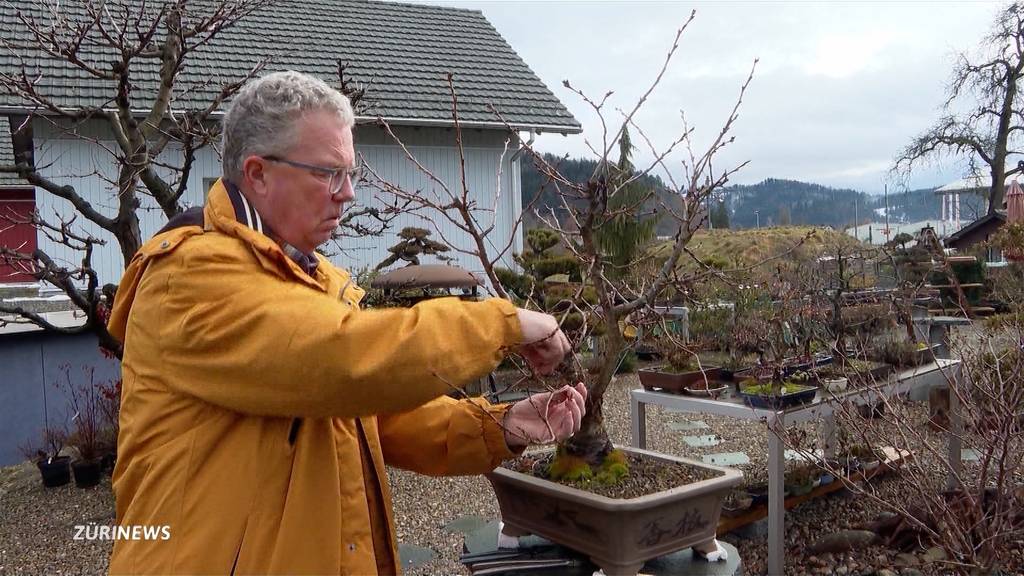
pixel 839 90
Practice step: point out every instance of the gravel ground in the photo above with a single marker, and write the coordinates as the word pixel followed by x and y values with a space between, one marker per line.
pixel 36 525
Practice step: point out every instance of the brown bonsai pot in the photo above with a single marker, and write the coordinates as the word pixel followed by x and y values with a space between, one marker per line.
pixel 656 378
pixel 618 535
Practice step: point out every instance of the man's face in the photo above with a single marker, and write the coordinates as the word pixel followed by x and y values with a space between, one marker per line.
pixel 295 201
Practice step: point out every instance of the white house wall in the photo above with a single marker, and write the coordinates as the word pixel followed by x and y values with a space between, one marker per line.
pixel 77 162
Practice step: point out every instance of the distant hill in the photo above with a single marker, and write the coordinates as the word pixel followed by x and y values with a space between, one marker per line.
pixel 788 202
pixel 776 201
pixel 813 204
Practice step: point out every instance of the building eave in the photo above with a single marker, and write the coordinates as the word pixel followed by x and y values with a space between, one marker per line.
pixel 397 121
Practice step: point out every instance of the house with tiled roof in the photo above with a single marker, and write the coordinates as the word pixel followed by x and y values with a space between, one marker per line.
pixel 400 53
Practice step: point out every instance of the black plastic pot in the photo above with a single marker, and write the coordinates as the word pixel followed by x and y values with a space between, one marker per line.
pixel 108 462
pixel 55 472
pixel 87 472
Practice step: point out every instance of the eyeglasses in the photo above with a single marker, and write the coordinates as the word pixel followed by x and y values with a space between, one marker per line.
pixel 335 177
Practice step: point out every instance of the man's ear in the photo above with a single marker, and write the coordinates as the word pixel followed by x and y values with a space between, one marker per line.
pixel 254 175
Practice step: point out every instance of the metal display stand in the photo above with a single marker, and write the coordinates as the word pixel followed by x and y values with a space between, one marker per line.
pixel 936 374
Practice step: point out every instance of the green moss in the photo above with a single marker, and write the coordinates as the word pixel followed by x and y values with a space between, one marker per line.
pixel 614 468
pixel 575 470
pixel 565 467
pixel 770 389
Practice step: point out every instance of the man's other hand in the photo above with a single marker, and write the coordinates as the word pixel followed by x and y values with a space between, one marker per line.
pixel 544 345
pixel 544 418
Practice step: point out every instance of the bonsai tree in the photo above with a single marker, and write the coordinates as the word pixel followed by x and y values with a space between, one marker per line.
pixel 588 210
pixel 413 244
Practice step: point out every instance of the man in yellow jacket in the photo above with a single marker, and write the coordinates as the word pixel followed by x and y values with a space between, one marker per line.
pixel 260 405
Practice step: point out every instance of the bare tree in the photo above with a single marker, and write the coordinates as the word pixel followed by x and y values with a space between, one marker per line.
pixel 120 45
pixel 983 115
pixel 586 211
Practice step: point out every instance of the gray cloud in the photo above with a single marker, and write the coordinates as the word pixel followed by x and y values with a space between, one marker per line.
pixel 840 88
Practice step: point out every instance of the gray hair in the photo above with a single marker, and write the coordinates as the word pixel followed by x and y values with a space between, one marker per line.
pixel 262 117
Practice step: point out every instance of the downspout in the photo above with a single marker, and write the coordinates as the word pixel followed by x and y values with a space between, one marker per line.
pixel 517 245
pixel 515 155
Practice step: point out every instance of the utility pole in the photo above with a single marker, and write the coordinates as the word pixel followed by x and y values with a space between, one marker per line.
pixel 886 212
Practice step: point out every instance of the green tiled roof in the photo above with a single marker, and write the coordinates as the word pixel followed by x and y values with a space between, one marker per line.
pixel 401 51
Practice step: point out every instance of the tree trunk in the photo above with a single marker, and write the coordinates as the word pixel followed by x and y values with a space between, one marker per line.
pixel 129 236
pixel 591 443
pixel 998 164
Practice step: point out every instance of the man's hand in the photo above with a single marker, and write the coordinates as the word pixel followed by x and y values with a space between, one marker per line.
pixel 544 346
pixel 545 418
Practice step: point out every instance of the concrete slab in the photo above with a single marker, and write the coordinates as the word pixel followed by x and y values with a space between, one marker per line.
pixel 969 455
pixel 411 556
pixel 727 458
pixel 466 524
pixel 702 441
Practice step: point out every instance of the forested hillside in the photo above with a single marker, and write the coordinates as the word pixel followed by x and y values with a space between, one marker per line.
pixel 773 202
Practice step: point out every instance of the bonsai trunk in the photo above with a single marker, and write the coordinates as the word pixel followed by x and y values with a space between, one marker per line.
pixel 591 443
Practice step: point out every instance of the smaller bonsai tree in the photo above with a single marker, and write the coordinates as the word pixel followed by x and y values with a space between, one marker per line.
pixel 413 244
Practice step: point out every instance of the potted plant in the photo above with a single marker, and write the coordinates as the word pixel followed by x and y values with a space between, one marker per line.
pixel 737 502
pixel 902 354
pixel 683 371
pixel 868 457
pixel 801 480
pixel 778 392
pixel 110 409
pixel 84 405
pixel 835 384
pixel 54 469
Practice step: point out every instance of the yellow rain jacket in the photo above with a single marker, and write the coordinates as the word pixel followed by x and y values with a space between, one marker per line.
pixel 260 405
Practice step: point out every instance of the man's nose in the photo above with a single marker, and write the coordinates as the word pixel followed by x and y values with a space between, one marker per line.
pixel 347 192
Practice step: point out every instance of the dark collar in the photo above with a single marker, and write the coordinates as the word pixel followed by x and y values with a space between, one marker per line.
pixel 246 214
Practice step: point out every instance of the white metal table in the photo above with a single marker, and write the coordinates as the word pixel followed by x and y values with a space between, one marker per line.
pixel 936 374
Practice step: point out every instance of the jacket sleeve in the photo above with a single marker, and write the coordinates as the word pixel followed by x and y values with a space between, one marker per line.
pixel 446 437
pixel 239 337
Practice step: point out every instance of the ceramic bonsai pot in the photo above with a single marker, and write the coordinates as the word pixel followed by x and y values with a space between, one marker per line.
pixel 835 385
pixel 618 535
pixel 795 394
pixel 656 379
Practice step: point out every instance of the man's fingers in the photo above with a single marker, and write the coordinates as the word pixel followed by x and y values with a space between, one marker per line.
pixel 565 423
pixel 575 412
pixel 545 355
